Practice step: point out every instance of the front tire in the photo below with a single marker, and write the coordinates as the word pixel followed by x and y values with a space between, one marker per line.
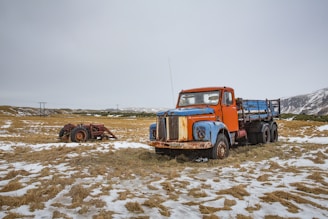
pixel 221 148
pixel 162 151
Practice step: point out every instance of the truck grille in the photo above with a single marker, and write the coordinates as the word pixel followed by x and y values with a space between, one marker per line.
pixel 161 129
pixel 171 128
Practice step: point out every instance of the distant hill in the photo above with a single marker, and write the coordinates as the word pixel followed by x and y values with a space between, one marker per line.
pixel 315 103
pixel 34 111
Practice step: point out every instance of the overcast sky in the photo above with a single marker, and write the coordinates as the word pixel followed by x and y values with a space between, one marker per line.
pixel 141 53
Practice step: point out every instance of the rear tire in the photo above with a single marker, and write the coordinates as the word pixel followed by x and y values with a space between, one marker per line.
pixel 221 148
pixel 61 132
pixel 252 138
pixel 79 134
pixel 264 135
pixel 63 135
pixel 274 133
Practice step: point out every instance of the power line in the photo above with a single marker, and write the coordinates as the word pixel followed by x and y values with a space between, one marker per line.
pixel 171 78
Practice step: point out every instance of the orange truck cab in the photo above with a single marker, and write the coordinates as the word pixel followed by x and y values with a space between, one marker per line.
pixel 210 120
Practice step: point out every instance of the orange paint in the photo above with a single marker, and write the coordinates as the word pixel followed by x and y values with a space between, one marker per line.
pixel 225 110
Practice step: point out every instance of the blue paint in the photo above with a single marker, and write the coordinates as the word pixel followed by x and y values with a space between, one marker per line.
pixel 152 129
pixel 212 129
pixel 261 109
pixel 186 112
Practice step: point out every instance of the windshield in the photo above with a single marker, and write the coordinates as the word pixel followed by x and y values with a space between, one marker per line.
pixel 207 98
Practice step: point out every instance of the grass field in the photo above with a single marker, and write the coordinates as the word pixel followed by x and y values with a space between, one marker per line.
pixel 41 177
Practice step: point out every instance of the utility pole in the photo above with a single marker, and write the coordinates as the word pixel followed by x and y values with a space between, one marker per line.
pixel 42 108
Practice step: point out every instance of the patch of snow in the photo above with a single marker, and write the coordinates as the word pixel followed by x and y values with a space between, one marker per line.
pixel 322 128
pixel 7 124
pixel 22 191
pixel 315 140
pixel 123 144
pixel 215 178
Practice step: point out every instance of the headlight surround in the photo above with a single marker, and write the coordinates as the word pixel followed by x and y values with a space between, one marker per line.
pixel 201 132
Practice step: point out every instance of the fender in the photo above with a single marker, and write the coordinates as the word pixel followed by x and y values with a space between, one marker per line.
pixel 209 130
pixel 263 124
pixel 152 132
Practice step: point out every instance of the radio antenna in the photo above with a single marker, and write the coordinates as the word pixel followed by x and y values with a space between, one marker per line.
pixel 171 79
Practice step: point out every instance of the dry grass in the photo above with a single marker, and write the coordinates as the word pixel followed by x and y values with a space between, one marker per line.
pixel 238 191
pixel 14 173
pixel 319 177
pixel 288 199
pixel 309 190
pixel 158 173
pixel 35 129
pixel 12 186
pixel 301 128
pixel 208 210
pixel 156 201
pixel 134 207
pixel 197 193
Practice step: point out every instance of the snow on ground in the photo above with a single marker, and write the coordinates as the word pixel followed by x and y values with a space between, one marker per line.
pixel 308 139
pixel 10 146
pixel 6 125
pixel 315 140
pixel 322 128
pixel 253 189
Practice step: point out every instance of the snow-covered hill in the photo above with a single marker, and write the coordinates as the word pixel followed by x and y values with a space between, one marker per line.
pixel 315 103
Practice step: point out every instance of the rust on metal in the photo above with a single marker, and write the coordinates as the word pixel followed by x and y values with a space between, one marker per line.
pixel 83 132
pixel 181 145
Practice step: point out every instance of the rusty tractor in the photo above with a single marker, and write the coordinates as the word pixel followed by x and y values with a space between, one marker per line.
pixel 82 132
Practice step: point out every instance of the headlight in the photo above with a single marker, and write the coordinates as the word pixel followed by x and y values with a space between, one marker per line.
pixel 201 132
pixel 152 132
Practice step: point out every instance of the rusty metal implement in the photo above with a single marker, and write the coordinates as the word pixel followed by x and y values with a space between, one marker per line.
pixel 83 132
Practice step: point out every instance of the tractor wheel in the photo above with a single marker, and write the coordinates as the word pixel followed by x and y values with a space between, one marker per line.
pixel 274 133
pixel 221 148
pixel 79 134
pixel 63 136
pixel 61 132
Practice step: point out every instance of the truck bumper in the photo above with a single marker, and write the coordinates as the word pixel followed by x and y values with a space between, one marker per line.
pixel 181 145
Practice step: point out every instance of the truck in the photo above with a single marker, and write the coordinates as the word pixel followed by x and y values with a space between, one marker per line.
pixel 210 120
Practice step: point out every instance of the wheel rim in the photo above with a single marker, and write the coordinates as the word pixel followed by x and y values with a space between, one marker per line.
pixel 80 136
pixel 221 151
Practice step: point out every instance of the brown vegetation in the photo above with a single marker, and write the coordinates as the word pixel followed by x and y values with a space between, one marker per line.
pixel 79 177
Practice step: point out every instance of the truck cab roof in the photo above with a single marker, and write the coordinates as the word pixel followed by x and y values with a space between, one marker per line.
pixel 201 89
